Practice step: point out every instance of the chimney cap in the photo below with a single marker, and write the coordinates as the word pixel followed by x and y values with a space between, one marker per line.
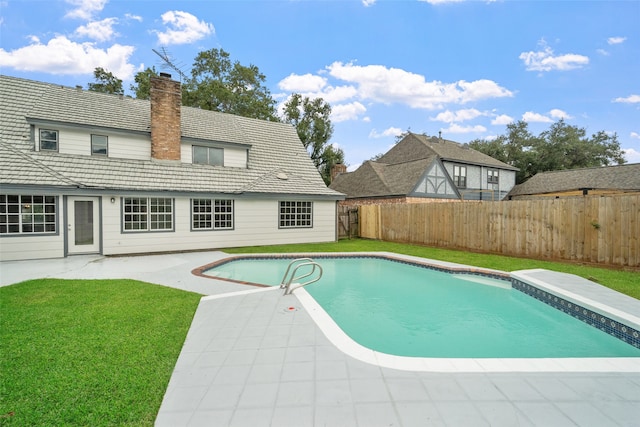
pixel 167 75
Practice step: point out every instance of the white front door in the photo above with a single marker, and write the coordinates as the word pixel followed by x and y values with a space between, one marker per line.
pixel 83 228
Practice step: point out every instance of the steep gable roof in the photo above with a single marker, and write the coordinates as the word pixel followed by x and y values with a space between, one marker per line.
pixel 622 177
pixel 416 146
pixel 275 149
pixel 377 179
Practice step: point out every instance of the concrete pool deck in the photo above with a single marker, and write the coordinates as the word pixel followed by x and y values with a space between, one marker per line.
pixel 251 360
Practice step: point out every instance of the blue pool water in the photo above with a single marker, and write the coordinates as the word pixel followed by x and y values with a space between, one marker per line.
pixel 406 310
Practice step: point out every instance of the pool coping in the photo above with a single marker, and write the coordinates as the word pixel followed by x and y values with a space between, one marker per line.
pixel 471 365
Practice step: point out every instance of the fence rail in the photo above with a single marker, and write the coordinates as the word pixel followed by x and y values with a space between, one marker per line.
pixel 604 230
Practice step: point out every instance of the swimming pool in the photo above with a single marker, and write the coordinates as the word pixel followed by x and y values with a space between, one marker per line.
pixel 406 309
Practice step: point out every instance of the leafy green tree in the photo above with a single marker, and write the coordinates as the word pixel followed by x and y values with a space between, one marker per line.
pixel 106 82
pixel 219 84
pixel 562 146
pixel 142 88
pixel 311 118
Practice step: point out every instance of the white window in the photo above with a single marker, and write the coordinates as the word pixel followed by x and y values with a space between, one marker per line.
pixel 99 145
pixel 147 214
pixel 296 214
pixel 212 214
pixel 492 176
pixel 48 140
pixel 22 214
pixel 208 156
pixel 460 176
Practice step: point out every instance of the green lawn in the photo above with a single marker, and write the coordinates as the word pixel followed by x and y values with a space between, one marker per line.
pixel 627 282
pixel 101 352
pixel 88 352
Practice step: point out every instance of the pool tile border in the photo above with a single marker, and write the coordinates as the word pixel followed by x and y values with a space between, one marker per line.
pixel 598 320
pixel 619 330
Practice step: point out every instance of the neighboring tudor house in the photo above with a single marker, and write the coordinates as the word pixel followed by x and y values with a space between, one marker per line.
pixel 580 182
pixel 85 172
pixel 421 168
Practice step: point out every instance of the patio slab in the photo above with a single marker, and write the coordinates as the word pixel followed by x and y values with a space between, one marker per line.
pixel 250 360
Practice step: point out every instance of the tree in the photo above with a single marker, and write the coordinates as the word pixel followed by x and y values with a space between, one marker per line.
pixel 562 146
pixel 311 118
pixel 219 84
pixel 142 89
pixel 106 82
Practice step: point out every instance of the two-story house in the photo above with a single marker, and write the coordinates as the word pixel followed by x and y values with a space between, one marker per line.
pixel 85 172
pixel 421 168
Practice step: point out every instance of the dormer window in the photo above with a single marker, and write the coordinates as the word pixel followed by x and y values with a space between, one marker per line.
pixel 48 140
pixel 208 155
pixel 99 145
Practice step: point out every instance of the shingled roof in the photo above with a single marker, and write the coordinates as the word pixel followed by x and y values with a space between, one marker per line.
pixel 621 178
pixel 415 146
pixel 397 172
pixel 376 179
pixel 275 149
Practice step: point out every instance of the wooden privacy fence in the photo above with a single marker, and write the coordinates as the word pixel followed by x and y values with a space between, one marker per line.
pixel 593 229
pixel 347 221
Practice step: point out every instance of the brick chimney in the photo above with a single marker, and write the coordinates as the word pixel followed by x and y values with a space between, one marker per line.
pixel 166 100
pixel 337 169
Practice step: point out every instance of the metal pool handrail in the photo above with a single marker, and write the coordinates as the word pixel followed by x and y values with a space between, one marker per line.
pixel 286 284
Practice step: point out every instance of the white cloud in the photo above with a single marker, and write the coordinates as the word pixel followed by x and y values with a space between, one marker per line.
pixel 455 128
pixel 502 119
pixel 351 168
pixel 458 116
pixel 631 155
pixel 367 3
pixel 98 30
pixel 385 133
pixel 63 56
pixel 344 112
pixel 393 85
pixel 85 9
pixel 302 83
pixel 183 28
pixel 602 52
pixel 616 40
pixel 379 84
pixel 631 99
pixel 559 114
pixel 133 17
pixel 635 135
pixel 545 60
pixel 532 117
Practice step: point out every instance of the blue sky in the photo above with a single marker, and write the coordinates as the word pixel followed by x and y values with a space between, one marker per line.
pixel 465 68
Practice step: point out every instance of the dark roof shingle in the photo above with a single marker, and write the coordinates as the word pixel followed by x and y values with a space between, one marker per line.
pixel 622 177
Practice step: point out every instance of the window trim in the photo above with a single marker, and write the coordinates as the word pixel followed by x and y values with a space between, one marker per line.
pixel 493 176
pixel 297 205
pixel 21 214
pixel 460 179
pixel 40 140
pixel 148 215
pixel 193 155
pixel 212 215
pixel 106 148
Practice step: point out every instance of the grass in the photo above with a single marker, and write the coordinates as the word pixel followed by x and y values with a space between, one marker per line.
pixel 101 352
pixel 626 282
pixel 88 352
